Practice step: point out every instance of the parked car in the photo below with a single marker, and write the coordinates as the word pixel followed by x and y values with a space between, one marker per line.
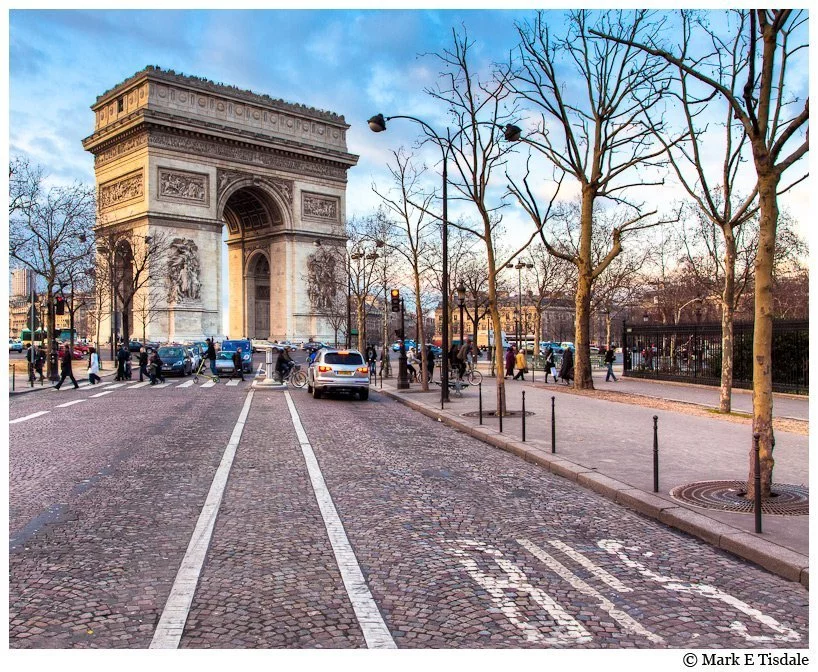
pixel 15 345
pixel 409 344
pixel 176 359
pixel 338 370
pixel 75 354
pixel 196 356
pixel 246 352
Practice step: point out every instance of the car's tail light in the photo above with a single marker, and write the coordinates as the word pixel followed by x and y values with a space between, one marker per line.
pixel 322 368
pixel 362 369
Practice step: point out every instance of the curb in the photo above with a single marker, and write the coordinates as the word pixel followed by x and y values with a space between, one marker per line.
pixel 777 559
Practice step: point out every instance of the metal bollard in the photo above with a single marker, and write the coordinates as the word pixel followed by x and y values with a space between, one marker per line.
pixel 553 429
pixel 655 453
pixel 523 416
pixel 14 376
pixel 757 479
pixel 500 411
pixel 480 402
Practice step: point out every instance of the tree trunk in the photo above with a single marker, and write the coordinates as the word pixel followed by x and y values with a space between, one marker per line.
pixel 421 338
pixel 727 318
pixel 582 301
pixel 608 331
pixel 361 325
pixel 762 334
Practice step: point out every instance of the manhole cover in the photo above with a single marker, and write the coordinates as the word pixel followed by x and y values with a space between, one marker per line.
pixel 787 499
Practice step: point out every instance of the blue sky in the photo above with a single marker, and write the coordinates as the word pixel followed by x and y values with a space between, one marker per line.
pixel 355 62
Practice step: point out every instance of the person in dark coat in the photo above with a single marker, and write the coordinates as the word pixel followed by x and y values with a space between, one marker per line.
pixel 156 369
pixel 122 356
pixel 567 368
pixel 430 362
pixel 510 361
pixel 237 364
pixel 550 366
pixel 454 360
pixel 211 355
pixel 143 364
pixel 610 358
pixel 371 358
pixel 66 370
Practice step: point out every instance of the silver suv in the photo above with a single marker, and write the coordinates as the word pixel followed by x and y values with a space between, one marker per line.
pixel 338 370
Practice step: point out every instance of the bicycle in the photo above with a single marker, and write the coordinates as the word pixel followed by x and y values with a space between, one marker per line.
pixel 198 372
pixel 295 377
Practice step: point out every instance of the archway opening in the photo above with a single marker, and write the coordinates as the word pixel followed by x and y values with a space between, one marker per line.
pixel 251 217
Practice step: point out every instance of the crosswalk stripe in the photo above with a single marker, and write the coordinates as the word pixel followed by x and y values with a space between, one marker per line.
pixel 70 403
pixel 29 417
pixel 142 384
pixel 113 387
pixel 233 381
pixel 209 383
pixel 101 394
pixel 187 383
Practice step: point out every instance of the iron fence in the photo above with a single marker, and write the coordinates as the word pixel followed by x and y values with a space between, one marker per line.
pixel 693 353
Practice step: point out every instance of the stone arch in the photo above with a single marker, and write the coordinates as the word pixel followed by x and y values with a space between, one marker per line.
pixel 258 283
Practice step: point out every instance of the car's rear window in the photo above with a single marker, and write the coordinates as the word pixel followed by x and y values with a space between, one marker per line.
pixel 352 358
pixel 235 345
pixel 171 352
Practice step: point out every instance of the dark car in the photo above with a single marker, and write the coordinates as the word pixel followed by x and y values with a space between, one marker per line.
pixel 246 352
pixel 176 359
pixel 311 346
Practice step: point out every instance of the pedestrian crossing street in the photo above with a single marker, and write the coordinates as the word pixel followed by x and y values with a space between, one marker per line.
pixel 110 387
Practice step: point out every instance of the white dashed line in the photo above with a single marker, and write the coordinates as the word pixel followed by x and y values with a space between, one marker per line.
pixel 116 385
pixel 101 394
pixel 29 417
pixel 187 383
pixel 172 622
pixel 70 403
pixel 209 383
pixel 375 632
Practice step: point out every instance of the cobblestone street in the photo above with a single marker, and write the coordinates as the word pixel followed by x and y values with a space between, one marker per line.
pixel 460 545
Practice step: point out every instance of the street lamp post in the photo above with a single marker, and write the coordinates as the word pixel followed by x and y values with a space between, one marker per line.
pixel 403 372
pixel 520 266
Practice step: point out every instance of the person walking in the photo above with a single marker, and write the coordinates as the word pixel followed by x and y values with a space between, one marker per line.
pixel 66 370
pixel 237 364
pixel 550 366
pixel 122 356
pixel 454 360
pixel 385 363
pixel 31 358
pixel 93 366
pixel 156 369
pixel 371 358
pixel 567 368
pixel 211 355
pixel 521 364
pixel 143 364
pixel 610 357
pixel 510 361
pixel 430 362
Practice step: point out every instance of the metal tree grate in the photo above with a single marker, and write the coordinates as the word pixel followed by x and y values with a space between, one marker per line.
pixel 786 500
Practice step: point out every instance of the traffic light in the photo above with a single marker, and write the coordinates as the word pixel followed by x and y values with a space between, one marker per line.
pixel 59 305
pixel 395 296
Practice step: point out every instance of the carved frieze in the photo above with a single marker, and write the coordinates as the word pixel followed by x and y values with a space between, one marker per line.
pixel 245 155
pixel 122 191
pixel 225 178
pixel 183 186
pixel 315 206
pixel 121 149
pixel 183 271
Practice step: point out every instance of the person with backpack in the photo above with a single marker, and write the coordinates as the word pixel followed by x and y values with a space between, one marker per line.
pixel 610 358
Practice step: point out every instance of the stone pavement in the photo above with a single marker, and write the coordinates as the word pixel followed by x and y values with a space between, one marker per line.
pixel 608 447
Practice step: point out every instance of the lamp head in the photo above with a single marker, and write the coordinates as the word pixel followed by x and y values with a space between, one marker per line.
pixel 377 124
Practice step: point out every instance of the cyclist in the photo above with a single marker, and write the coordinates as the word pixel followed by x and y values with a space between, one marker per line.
pixel 284 363
pixel 211 355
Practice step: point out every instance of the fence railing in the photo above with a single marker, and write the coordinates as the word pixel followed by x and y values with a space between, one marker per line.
pixel 693 353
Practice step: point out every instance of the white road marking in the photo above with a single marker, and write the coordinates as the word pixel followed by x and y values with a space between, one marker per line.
pixel 233 381
pixel 116 385
pixel 375 632
pixel 605 604
pixel 70 403
pixel 600 573
pixel 138 385
pixel 784 634
pixel 567 629
pixel 159 386
pixel 29 417
pixel 172 621
pixel 209 383
pixel 187 383
pixel 101 394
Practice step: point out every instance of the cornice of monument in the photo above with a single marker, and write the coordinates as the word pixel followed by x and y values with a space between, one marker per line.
pixel 171 77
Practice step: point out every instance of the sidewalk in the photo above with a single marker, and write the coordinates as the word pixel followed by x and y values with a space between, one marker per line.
pixel 608 447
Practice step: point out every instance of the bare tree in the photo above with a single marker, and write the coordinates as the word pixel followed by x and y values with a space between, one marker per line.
pixel 48 230
pixel 147 304
pixel 764 99
pixel 415 230
pixel 591 132
pixel 552 278
pixel 361 258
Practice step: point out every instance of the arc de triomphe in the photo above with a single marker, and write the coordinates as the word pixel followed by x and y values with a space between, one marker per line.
pixel 181 157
